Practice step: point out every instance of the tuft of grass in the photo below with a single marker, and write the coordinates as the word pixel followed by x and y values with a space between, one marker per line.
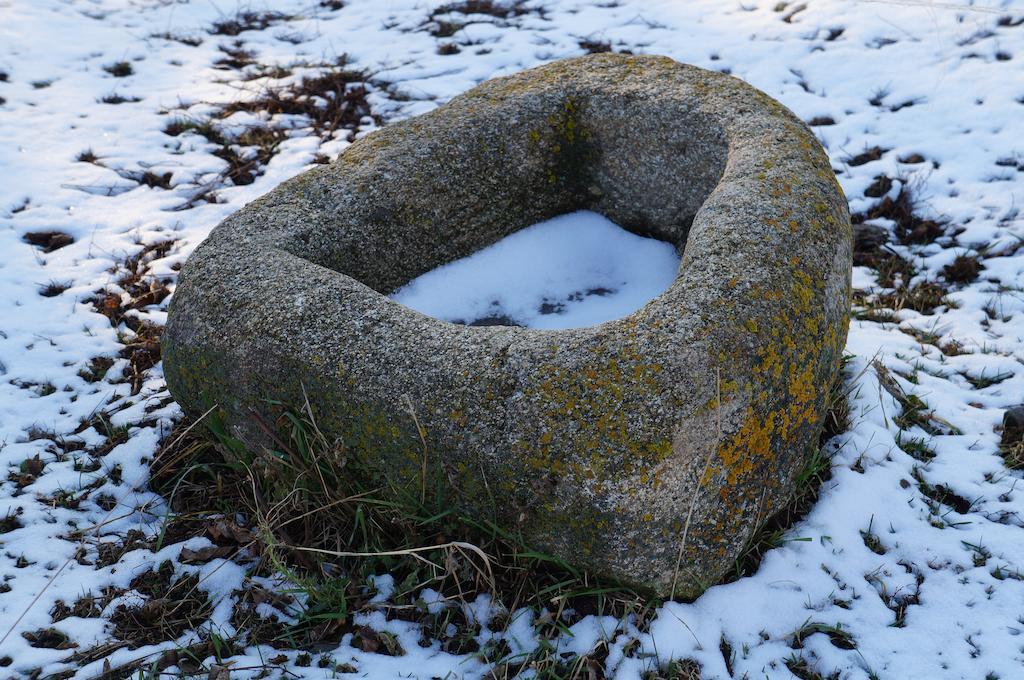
pixel 867 156
pixel 923 297
pixel 836 635
pixel 120 69
pixel 180 126
pixel 981 381
pixel 913 409
pixel 249 153
pixel 837 406
pixel 236 57
pixel 247 21
pixel 87 606
pixel 910 228
pixel 48 638
pixel 941 494
pixel 190 40
pixel 1013 455
pixel 140 339
pixel 1011 445
pixel 439 25
pixel 54 288
pixel 10 522
pixel 501 10
pixel 879 187
pixel 316 520
pixel 871 540
pixel 799 667
pixel 595 46
pixel 915 447
pixel 147 178
pixel 173 605
pixel 685 669
pixel 115 98
pixel 331 101
pixel 87 156
pixel 963 270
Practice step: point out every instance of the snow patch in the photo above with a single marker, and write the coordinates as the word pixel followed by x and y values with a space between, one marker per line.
pixel 578 269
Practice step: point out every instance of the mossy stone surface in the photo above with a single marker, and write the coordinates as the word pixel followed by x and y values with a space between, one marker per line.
pixel 607 445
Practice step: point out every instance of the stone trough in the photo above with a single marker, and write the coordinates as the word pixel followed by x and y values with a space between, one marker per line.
pixel 645 449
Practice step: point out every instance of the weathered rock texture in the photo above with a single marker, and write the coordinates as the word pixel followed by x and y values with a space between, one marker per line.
pixel 606 446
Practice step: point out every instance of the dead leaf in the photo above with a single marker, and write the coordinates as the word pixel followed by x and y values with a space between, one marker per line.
pixel 204 555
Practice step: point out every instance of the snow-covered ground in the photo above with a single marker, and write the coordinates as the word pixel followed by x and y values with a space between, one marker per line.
pixel 910 564
pixel 573 270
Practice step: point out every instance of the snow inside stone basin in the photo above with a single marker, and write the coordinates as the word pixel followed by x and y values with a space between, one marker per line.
pixel 578 269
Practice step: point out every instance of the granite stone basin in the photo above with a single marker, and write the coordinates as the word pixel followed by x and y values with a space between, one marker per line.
pixel 645 449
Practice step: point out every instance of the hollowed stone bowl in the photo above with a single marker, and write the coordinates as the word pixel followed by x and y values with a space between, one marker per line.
pixel 645 449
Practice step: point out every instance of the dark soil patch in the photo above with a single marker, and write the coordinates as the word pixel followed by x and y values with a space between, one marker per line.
pixel 940 493
pixel 48 241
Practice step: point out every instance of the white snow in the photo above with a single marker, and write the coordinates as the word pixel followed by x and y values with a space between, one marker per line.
pixel 579 269
pixel 941 79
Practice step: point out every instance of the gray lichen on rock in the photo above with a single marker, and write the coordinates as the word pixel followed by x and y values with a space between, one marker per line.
pixel 602 445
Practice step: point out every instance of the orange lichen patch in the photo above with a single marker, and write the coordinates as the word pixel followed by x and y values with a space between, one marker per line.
pixel 803 395
pixel 803 291
pixel 771 362
pixel 752 441
pixel 591 404
pixel 785 396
